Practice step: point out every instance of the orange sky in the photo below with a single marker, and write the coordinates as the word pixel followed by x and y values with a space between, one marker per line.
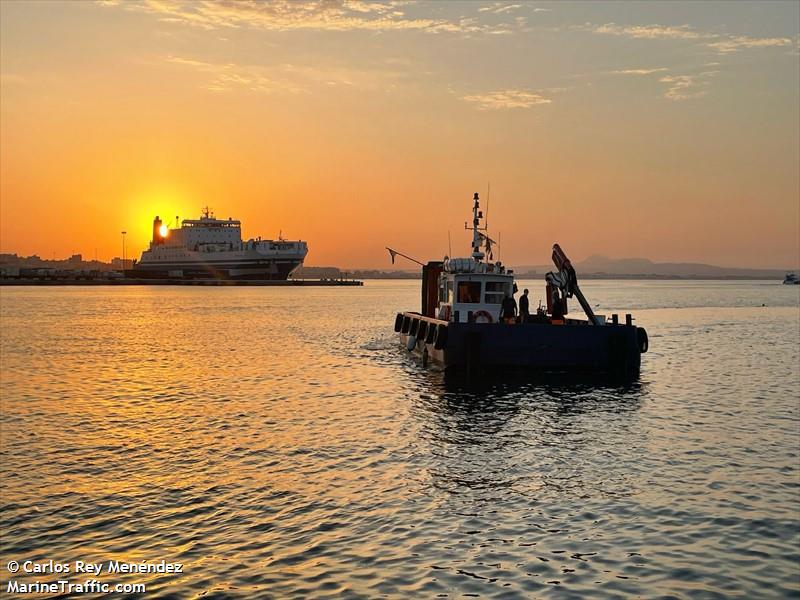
pixel 660 130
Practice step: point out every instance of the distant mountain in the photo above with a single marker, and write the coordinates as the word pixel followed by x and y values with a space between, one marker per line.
pixel 603 266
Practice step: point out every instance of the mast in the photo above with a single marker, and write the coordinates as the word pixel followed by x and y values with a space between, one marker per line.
pixel 476 236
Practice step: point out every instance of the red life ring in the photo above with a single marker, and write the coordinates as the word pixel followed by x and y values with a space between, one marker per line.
pixel 484 315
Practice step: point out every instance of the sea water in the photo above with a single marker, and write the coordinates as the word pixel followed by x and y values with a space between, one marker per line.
pixel 279 442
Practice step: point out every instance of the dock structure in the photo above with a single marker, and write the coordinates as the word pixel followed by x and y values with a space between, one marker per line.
pixel 195 282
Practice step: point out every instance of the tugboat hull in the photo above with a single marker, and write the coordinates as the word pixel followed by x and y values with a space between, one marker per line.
pixel 574 346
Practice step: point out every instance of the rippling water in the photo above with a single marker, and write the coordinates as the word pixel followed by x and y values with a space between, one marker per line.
pixel 279 443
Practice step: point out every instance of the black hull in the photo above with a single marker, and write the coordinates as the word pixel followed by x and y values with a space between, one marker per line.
pixel 574 347
pixel 268 271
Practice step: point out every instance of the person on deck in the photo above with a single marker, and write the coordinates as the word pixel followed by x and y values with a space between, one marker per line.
pixel 557 309
pixel 524 308
pixel 508 310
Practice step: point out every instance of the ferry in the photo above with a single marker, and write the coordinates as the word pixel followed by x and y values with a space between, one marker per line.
pixel 211 248
pixel 462 324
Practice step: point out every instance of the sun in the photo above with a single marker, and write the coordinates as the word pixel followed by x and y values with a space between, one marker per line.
pixel 163 230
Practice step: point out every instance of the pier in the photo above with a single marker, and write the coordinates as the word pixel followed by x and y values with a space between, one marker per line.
pixel 206 282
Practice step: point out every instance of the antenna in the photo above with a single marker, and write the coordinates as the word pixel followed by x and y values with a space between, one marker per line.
pixel 488 196
pixel 449 244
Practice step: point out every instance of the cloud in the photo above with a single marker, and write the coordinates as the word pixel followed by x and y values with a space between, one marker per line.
pixel 228 76
pixel 685 87
pixel 724 44
pixel 368 7
pixel 291 78
pixel 679 86
pixel 736 43
pixel 639 71
pixel 651 32
pixel 285 15
pixel 505 99
pixel 499 8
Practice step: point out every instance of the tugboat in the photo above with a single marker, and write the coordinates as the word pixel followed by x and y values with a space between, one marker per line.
pixel 459 326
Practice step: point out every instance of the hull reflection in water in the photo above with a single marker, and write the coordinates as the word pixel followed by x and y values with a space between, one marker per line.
pixel 477 429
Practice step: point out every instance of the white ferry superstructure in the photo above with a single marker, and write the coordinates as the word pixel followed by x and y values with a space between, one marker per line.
pixel 211 248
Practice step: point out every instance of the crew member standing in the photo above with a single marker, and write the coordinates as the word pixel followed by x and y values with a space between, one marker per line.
pixel 508 310
pixel 524 308
pixel 557 311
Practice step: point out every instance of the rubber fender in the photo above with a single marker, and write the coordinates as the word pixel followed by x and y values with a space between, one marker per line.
pixel 441 337
pixel 406 324
pixel 411 343
pixel 641 337
pixel 422 330
pixel 429 339
pixel 414 327
pixel 398 322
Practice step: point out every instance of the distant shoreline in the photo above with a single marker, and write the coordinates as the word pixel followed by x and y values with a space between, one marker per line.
pixel 595 276
pixel 593 268
pixel 124 282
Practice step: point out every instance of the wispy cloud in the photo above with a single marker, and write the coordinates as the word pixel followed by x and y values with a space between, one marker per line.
pixel 499 8
pixel 639 71
pixel 506 99
pixel 685 87
pixel 724 44
pixel 289 78
pixel 284 15
pixel 228 76
pixel 736 43
pixel 680 86
pixel 651 32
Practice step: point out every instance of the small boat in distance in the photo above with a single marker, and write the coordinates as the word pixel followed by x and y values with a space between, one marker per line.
pixel 460 327
pixel 210 248
pixel 791 279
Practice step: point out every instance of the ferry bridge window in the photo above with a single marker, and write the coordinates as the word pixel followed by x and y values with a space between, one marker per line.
pixel 469 292
pixel 495 291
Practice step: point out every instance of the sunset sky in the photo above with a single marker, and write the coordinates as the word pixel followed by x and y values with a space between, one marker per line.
pixel 669 130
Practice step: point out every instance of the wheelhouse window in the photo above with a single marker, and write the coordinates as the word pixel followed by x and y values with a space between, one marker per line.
pixel 469 292
pixel 446 292
pixel 495 292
